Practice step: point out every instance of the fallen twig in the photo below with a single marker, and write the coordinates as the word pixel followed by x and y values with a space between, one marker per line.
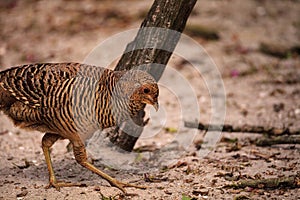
pixel 4 132
pixel 244 128
pixel 279 50
pixel 285 139
pixel 273 183
pixel 208 33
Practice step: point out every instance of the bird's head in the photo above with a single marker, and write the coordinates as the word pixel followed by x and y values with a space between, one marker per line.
pixel 146 93
pixel 139 88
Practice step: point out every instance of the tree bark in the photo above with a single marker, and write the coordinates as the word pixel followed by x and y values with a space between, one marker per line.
pixel 150 51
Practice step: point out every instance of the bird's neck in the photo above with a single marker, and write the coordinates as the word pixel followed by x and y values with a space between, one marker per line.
pixel 123 108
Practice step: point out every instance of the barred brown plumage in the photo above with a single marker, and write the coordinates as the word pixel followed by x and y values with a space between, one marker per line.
pixel 72 101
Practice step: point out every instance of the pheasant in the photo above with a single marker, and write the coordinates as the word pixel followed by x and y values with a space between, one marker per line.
pixel 72 101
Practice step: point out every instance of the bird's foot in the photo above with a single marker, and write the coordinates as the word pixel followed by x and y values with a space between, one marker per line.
pixel 58 184
pixel 122 185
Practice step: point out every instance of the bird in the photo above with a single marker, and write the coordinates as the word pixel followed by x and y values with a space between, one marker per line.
pixel 72 101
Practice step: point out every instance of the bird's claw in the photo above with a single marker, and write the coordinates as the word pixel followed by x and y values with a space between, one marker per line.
pixel 58 184
pixel 122 185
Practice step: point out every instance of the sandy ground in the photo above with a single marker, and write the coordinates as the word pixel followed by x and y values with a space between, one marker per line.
pixel 260 90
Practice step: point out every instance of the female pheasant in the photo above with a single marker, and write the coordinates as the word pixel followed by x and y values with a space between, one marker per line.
pixel 72 101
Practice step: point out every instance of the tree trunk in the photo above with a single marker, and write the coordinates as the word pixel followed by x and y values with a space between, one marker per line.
pixel 151 50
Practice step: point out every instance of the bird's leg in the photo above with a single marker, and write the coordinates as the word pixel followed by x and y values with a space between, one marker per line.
pixel 48 140
pixel 81 158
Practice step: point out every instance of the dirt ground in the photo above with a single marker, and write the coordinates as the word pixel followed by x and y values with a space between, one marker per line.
pixel 261 89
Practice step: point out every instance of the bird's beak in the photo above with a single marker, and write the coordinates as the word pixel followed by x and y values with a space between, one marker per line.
pixel 156 106
pixel 152 102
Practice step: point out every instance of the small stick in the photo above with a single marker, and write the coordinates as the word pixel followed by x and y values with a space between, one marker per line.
pixel 244 128
pixel 285 139
pixel 283 182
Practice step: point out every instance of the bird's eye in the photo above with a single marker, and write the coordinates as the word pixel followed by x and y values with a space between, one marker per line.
pixel 146 90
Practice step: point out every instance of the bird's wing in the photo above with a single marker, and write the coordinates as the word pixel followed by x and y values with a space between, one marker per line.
pixel 32 83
